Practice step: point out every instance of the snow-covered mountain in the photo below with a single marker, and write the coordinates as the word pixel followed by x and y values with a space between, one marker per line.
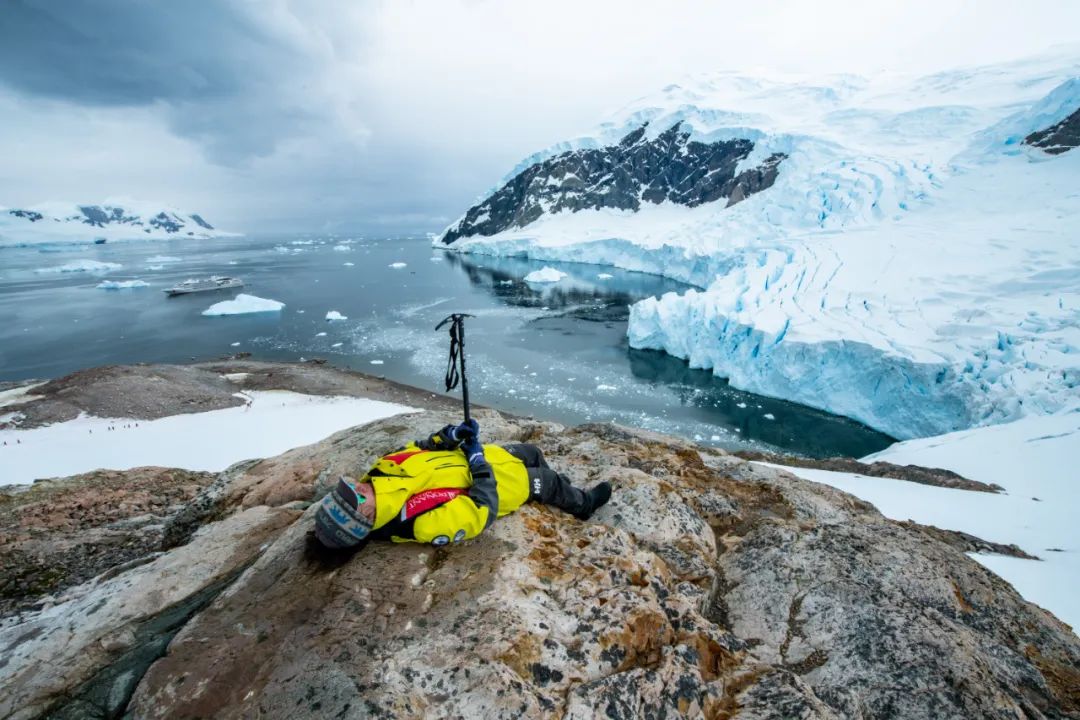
pixel 903 250
pixel 113 220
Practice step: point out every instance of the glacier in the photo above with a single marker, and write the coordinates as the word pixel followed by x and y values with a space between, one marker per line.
pixel 915 265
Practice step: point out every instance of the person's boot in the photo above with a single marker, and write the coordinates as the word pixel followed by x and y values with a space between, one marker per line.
pixel 594 500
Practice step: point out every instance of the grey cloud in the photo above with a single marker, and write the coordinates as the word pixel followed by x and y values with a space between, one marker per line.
pixel 220 73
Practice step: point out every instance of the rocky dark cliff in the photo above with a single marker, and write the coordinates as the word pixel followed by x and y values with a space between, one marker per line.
pixel 709 587
pixel 668 168
pixel 1058 138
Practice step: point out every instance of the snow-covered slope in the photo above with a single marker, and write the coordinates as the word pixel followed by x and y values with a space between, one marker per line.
pixel 915 263
pixel 1034 460
pixel 114 220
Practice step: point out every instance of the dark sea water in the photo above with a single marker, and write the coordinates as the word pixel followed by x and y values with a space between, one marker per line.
pixel 557 351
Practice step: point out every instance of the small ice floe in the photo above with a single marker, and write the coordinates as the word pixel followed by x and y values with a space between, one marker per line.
pixel 398 265
pixel 604 276
pixel 376 362
pixel 342 248
pixel 335 315
pixel 349 264
pixel 769 416
pixel 715 438
pixel 301 312
pixel 164 259
pixel 506 282
pixel 243 305
pixel 337 345
pixel 545 275
pixel 90 266
pixel 606 388
pixel 741 406
pixel 235 344
pixel 322 334
pixel 122 284
pixel 435 258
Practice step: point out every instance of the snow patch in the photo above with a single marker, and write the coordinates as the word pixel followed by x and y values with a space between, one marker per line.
pixel 274 422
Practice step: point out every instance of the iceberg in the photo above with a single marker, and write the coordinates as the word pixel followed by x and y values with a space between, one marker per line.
pixel 122 284
pixel 78 266
pixel 545 275
pixel 243 305
pixel 335 315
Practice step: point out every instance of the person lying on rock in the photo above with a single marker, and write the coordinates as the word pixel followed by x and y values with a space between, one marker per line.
pixel 445 489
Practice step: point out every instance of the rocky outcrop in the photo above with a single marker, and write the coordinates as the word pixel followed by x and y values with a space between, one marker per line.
pixel 57 534
pixel 1058 138
pixel 708 587
pixel 937 477
pixel 668 168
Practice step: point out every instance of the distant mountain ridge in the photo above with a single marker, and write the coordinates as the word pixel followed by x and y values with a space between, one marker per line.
pixel 112 220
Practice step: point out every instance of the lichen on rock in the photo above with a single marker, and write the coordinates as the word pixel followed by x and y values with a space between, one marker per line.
pixel 708 587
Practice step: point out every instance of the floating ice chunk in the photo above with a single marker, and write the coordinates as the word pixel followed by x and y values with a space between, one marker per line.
pixel 242 305
pixel 337 345
pixel 506 282
pixel 769 416
pixel 715 438
pixel 349 264
pixel 91 266
pixel 604 276
pixel 545 275
pixel 122 284
pixel 164 259
pixel 398 265
pixel 606 388
pixel 376 362
pixel 235 344
pixel 741 405
pixel 436 258
pixel 320 334
pixel 342 248
pixel 335 315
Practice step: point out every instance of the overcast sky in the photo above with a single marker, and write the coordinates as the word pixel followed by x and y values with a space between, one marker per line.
pixel 390 117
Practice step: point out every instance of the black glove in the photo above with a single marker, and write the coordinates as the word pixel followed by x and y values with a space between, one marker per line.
pixel 474 453
pixel 445 439
pixel 467 430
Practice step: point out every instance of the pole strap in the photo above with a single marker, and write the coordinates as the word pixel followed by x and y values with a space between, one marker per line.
pixel 453 376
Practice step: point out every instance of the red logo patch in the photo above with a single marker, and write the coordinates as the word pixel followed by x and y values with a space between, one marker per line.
pixel 421 502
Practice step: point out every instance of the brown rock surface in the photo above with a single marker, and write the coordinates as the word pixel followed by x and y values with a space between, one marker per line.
pixel 708 587
pixel 57 534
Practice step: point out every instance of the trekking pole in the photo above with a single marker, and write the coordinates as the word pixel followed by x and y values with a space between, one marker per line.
pixel 457 356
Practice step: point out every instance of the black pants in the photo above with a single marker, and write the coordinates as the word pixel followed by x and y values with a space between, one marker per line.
pixel 546 485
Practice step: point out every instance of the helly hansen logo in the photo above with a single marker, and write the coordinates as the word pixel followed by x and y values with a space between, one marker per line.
pixel 536 486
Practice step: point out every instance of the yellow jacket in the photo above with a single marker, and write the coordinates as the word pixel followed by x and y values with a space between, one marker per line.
pixel 429 496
